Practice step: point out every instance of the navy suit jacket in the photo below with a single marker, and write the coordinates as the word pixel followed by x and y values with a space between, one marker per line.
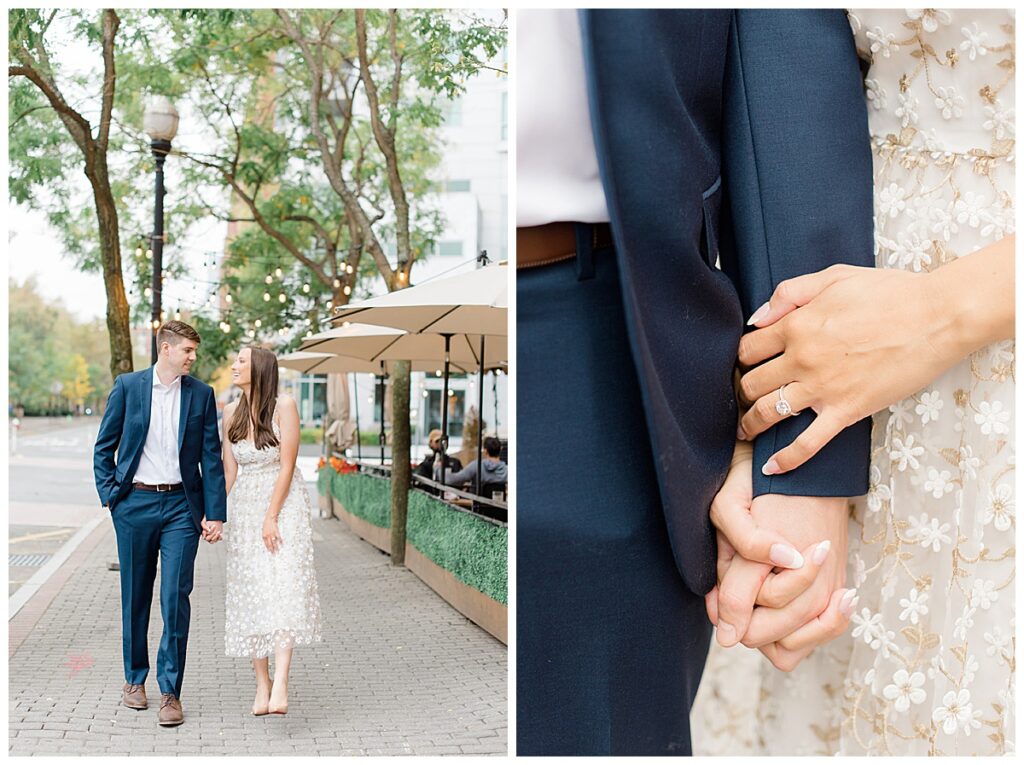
pixel 124 429
pixel 737 137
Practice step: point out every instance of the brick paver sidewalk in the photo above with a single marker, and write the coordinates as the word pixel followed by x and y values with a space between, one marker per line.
pixel 399 671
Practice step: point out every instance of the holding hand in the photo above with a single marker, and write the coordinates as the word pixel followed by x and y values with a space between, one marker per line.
pixel 271 535
pixel 213 531
pixel 797 608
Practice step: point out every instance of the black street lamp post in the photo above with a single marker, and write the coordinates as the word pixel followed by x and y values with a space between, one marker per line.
pixel 161 124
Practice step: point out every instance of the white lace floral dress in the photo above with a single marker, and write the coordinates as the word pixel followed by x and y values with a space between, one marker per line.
pixel 927 667
pixel 272 599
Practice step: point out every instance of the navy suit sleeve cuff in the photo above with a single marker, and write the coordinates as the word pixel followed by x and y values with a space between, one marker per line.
pixel 840 469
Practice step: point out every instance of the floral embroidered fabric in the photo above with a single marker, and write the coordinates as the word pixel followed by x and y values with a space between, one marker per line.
pixel 927 666
pixel 272 599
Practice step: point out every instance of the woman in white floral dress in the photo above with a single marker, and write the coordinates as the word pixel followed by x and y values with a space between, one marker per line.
pixel 272 602
pixel 928 666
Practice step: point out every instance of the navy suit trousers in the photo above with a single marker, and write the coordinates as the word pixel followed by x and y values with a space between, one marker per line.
pixel 611 643
pixel 152 526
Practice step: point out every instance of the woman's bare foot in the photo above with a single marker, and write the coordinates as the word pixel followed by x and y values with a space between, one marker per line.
pixel 260 706
pixel 278 703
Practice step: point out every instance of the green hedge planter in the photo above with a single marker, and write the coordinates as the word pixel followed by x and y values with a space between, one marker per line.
pixel 366 496
pixel 474 551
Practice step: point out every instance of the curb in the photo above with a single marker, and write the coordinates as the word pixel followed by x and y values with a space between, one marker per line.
pixel 18 600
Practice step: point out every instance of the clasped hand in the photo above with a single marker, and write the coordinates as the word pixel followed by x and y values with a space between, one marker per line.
pixel 771 595
pixel 213 531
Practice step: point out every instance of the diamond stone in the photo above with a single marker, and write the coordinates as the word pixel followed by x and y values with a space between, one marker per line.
pixel 782 407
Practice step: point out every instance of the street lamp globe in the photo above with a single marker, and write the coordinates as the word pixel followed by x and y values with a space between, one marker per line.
pixel 160 120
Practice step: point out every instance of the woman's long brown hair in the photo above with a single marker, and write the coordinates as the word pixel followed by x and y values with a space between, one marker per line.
pixel 260 411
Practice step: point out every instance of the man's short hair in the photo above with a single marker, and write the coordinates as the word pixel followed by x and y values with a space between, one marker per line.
pixel 434 435
pixel 174 332
pixel 492 446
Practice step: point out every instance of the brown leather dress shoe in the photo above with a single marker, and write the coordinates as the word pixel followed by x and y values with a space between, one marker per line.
pixel 134 696
pixel 170 710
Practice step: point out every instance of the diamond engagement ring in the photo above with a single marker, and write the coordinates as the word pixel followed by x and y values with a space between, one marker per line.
pixel 782 406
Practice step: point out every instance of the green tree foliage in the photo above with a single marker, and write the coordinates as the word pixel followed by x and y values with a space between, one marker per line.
pixel 49 346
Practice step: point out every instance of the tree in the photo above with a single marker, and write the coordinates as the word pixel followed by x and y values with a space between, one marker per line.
pixel 50 95
pixel 351 98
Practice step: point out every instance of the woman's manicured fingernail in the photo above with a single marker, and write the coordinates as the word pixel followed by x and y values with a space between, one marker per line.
pixel 848 602
pixel 821 552
pixel 726 634
pixel 771 467
pixel 741 435
pixel 759 314
pixel 785 556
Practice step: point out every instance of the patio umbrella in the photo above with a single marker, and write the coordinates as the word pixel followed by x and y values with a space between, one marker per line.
pixel 471 306
pixel 327 363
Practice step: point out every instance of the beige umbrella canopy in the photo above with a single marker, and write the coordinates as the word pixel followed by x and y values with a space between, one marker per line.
pixel 465 313
pixel 474 302
pixel 309 362
pixel 376 343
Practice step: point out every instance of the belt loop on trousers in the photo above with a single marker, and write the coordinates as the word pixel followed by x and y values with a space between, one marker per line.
pixel 585 237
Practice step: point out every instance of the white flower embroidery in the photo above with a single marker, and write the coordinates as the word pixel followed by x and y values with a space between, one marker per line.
pixel 975 42
pixel 869 626
pixel 949 102
pixel 878 492
pixel 911 251
pixel 956 710
pixel 906 109
pixel 944 221
pixel 1000 121
pixel 931 403
pixel 992 419
pixel 998 222
pixel 914 606
pixel 1000 507
pixel 998 644
pixel 882 42
pixel 860 572
pixel 938 483
pixel 930 18
pixel 968 462
pixel 928 532
pixel 964 623
pixel 905 690
pixel 970 668
pixel 906 453
pixel 875 93
pixel 968 209
pixel 892 200
pixel 984 594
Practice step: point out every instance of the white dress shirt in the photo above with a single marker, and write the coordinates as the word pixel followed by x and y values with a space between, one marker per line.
pixel 556 163
pixel 159 460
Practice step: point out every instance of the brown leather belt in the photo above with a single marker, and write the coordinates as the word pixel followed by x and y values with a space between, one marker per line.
pixel 158 486
pixel 554 242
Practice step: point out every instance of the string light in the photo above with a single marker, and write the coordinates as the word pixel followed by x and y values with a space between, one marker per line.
pixel 266 297
pixel 281 298
pixel 227 298
pixel 258 323
pixel 305 288
pixel 337 283
pixel 349 270
pixel 279 273
pixel 348 290
pixel 252 333
pixel 138 252
pixel 425 394
pixel 149 253
pixel 269 279
pixel 147 292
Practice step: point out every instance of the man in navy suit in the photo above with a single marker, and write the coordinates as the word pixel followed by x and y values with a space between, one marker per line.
pixel 164 490
pixel 673 168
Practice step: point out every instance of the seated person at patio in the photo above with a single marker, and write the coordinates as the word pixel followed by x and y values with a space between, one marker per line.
pixel 492 469
pixel 426 468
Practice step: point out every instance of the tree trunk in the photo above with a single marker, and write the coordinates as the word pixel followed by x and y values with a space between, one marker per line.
pixel 118 325
pixel 401 472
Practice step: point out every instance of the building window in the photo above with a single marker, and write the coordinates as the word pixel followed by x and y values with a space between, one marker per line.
pixel 450 247
pixel 313 398
pixel 461 184
pixel 456 411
